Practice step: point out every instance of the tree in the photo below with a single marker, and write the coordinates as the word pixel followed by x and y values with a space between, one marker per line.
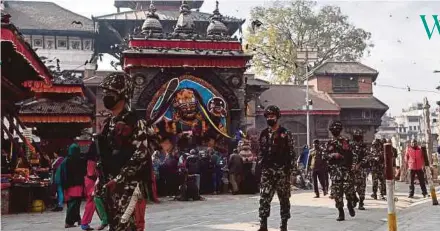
pixel 287 26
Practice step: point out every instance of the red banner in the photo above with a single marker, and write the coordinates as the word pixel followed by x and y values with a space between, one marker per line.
pixel 189 45
pixel 22 48
pixel 239 62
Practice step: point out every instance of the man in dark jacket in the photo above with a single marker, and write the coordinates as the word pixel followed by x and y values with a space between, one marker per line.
pixel 235 166
pixel 318 167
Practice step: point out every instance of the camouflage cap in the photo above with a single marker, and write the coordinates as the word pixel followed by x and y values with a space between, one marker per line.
pixel 335 126
pixel 272 110
pixel 358 133
pixel 120 83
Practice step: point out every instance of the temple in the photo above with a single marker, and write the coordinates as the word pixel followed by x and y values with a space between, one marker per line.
pixel 206 69
pixel 112 28
pixel 59 111
pixel 19 63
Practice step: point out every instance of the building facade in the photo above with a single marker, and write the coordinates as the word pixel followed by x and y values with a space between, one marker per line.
pixel 350 86
pixel 55 33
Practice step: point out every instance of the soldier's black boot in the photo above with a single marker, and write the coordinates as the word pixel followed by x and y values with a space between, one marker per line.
pixel 283 226
pixel 361 204
pixel 374 196
pixel 351 209
pixel 263 224
pixel 341 216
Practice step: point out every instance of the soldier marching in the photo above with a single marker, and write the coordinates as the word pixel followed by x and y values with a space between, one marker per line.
pixel 277 158
pixel 340 159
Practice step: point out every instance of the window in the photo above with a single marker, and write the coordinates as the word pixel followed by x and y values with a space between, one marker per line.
pixel 62 44
pixel 37 42
pixel 366 114
pixel 75 44
pixel 50 44
pixel 87 44
pixel 345 84
pixel 356 115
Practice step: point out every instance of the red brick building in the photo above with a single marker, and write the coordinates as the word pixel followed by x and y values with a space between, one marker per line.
pixel 350 86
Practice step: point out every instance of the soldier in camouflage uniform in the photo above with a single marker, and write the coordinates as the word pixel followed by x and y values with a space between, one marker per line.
pixel 125 145
pixel 360 164
pixel 377 163
pixel 277 162
pixel 340 160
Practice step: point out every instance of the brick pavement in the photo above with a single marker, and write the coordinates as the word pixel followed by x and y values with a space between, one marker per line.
pixel 228 212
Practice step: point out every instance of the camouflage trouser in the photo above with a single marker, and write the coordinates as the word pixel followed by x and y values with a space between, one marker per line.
pixel 360 182
pixel 274 180
pixel 116 204
pixel 342 183
pixel 378 176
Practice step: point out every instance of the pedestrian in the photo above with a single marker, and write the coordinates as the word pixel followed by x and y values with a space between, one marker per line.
pixel 235 167
pixel 57 187
pixel 72 172
pixel 125 145
pixel 415 163
pixel 304 157
pixel 316 165
pixel 89 186
pixel 377 162
pixel 340 159
pixel 277 157
pixel 360 163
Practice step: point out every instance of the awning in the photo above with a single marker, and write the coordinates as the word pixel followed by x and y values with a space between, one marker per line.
pixel 7 34
pixel 55 119
pixel 369 102
pixel 42 87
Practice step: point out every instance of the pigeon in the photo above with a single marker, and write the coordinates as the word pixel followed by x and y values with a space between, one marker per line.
pixel 256 24
pixel 77 22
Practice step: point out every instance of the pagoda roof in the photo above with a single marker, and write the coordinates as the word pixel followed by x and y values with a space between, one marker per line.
pixel 360 102
pixel 291 98
pixel 12 41
pixel 39 15
pixel 160 4
pixel 164 15
pixel 173 52
pixel 331 68
pixel 48 107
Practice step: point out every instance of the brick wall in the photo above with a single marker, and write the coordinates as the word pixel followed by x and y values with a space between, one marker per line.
pixel 324 84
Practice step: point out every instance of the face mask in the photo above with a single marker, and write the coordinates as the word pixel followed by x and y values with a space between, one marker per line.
pixel 110 101
pixel 271 122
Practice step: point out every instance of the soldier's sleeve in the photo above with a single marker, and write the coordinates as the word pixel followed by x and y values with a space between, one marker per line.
pixel 141 154
pixel 326 151
pixel 260 151
pixel 364 155
pixel 356 157
pixel 292 154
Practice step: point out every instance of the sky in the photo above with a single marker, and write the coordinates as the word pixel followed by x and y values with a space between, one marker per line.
pixel 403 55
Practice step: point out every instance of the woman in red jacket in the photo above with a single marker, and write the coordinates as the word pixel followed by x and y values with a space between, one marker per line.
pixel 415 163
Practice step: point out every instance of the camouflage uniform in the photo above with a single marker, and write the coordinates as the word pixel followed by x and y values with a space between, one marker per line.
pixel 360 164
pixel 125 145
pixel 377 163
pixel 276 157
pixel 340 160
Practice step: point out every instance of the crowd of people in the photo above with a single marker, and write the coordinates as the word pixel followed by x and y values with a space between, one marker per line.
pixel 127 165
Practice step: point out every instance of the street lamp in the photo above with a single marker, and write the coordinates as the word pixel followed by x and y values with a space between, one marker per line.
pixel 306 55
